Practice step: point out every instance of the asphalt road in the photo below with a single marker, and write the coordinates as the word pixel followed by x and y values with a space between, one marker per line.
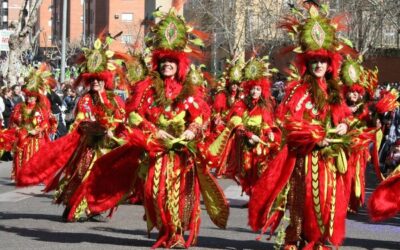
pixel 28 220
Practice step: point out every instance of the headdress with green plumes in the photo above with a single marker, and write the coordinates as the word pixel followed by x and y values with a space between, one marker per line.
pixel 195 76
pixel 172 38
pixel 351 71
pixel 172 33
pixel 256 73
pixel 99 63
pixel 136 68
pixel 39 80
pixel 316 37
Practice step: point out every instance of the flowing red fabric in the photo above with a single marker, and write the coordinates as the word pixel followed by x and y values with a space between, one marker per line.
pixel 113 175
pixel 385 200
pixel 48 161
pixel 268 187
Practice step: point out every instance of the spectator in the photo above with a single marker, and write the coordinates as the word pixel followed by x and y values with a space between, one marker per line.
pixel 70 100
pixel 6 97
pixel 393 158
pixel 56 106
pixel 8 105
pixel 2 108
pixel 17 96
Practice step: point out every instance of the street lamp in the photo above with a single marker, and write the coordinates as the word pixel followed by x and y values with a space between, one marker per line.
pixel 64 40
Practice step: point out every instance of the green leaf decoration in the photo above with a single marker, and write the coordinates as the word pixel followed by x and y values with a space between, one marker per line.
pixel 136 70
pixel 109 53
pixel 350 72
pixel 318 33
pixel 109 40
pixel 198 42
pixel 348 42
pixel 325 9
pixel 195 76
pixel 235 73
pixel 254 69
pixel 97 44
pixel 96 61
pixel 314 12
pixel 170 33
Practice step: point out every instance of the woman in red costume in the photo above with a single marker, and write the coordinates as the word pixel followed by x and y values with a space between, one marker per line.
pixel 251 137
pixel 359 87
pixel 227 94
pixel 31 120
pixel 307 176
pixel 100 115
pixel 167 113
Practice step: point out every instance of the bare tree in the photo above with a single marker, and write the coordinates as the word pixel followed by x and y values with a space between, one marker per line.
pixel 19 39
pixel 373 24
pixel 238 26
pixel 53 54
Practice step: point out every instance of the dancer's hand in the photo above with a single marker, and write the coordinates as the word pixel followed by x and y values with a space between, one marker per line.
pixel 254 139
pixel 323 143
pixel 163 135
pixel 341 129
pixel 188 135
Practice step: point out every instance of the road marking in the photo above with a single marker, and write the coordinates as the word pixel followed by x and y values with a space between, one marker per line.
pixel 234 195
pixel 20 194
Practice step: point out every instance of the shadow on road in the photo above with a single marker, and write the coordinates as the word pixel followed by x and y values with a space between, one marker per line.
pixel 371 244
pixel 71 238
pixel 14 216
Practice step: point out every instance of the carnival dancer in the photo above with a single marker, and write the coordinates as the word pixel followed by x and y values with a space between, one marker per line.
pixel 307 176
pixel 167 113
pixel 359 87
pixel 251 137
pixel 31 120
pixel 100 115
pixel 228 92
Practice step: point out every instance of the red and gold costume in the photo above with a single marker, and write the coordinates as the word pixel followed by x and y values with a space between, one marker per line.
pixel 100 118
pixel 32 121
pixel 308 175
pixel 238 156
pixel 227 94
pixel 33 124
pixel 169 170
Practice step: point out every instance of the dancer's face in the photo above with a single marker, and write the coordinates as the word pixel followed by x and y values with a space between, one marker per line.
pixel 97 85
pixel 255 92
pixel 234 87
pixel 353 96
pixel 318 67
pixel 31 99
pixel 168 67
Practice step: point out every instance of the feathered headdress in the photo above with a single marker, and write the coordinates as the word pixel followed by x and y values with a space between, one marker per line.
pixel 39 81
pixel 316 37
pixel 233 74
pixel 99 63
pixel 171 38
pixel 256 73
pixel 351 75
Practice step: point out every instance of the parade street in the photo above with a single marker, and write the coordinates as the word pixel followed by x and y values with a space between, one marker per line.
pixel 28 220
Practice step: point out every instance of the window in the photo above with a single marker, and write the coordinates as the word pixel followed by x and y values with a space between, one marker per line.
pixel 127 17
pixel 5 5
pixel 49 23
pixel 127 39
pixel 5 18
